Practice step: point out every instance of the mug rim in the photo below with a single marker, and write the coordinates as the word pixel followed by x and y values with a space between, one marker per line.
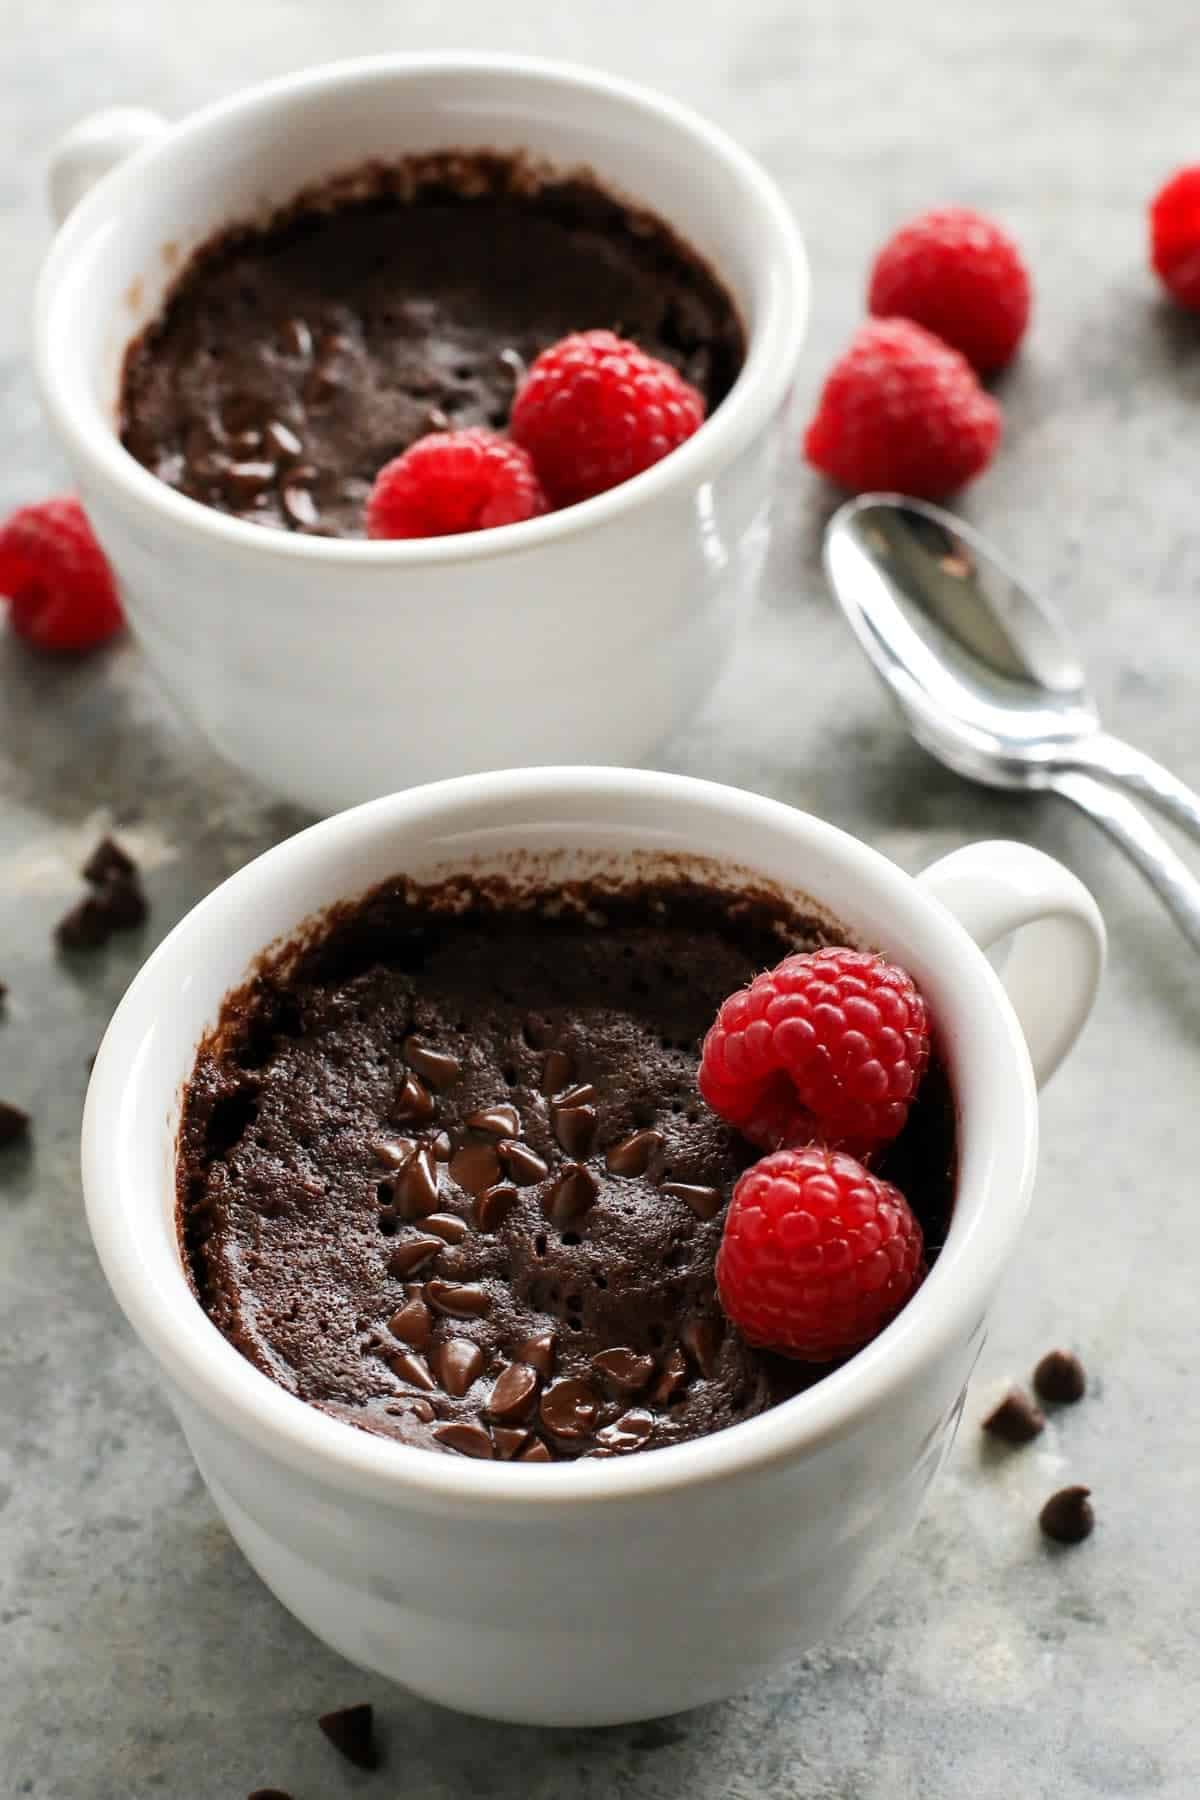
pixel 772 351
pixel 986 1045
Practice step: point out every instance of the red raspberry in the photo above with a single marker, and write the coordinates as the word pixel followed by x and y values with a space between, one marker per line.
pixel 453 481
pixel 900 410
pixel 961 277
pixel 817 1255
pixel 1175 235
pixel 56 578
pixel 831 1045
pixel 595 410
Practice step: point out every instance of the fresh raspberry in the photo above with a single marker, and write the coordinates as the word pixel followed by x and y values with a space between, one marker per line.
pixel 900 410
pixel 961 277
pixel 56 578
pixel 1175 235
pixel 453 481
pixel 817 1255
pixel 830 1044
pixel 595 410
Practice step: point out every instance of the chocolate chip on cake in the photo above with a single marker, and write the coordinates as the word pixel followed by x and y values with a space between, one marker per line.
pixel 1060 1378
pixel 351 1731
pixel 1016 1420
pixel 1068 1516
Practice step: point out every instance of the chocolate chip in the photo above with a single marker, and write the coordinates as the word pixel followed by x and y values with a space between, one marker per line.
pixel 624 1369
pixel 299 505
pixel 572 1196
pixel 625 1433
pixel 537 1452
pixel 85 927
pixel 462 1300
pixel 521 1163
pixel 508 1441
pixel 413 1324
pixel 14 1123
pixel 539 1352
pixel 394 1153
pixel 124 903
pixel 350 1731
pixel 1016 1420
pixel 501 1121
pixel 456 1363
pixel 408 1257
pixel 108 862
pixel 701 1338
pixel 705 1202
pixel 671 1380
pixel 245 443
pixel 282 439
pixel 441 1145
pixel 1060 1378
pixel 514 1393
pixel 440 1069
pixel 569 1408
pixel 575 1127
pixel 576 1096
pixel 468 1440
pixel 448 1226
pixel 416 1189
pixel 414 1101
pixel 1068 1516
pixel 494 1206
pixel 246 479
pixel 269 1794
pixel 295 338
pixel 475 1167
pixel 556 1072
pixel 420 1409
pixel 411 1368
pixel 632 1155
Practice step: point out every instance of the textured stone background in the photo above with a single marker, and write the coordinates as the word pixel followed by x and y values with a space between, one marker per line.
pixel 138 1655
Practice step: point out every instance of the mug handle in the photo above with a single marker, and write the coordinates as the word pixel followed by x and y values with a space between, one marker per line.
pixel 1054 969
pixel 90 149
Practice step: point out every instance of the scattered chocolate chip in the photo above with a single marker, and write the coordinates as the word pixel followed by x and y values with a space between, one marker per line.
pixel 539 1352
pixel 124 904
pixel 299 505
pixel 14 1123
pixel 572 1196
pixel 569 1408
pixel 411 1255
pixel 295 338
pixel 282 439
pixel 413 1324
pixel 246 479
pixel 575 1127
pixel 475 1167
pixel 85 927
pixel 1016 1420
pixel 494 1206
pixel 701 1338
pixel 416 1189
pixel 3 992
pixel 508 1441
pixel 521 1163
pixel 462 1300
pixel 624 1369
pixel 269 1794
pixel 1060 1378
pixel 457 1363
pixel 672 1378
pixel 448 1226
pixel 350 1731
pixel 394 1153
pixel 576 1096
pixel 411 1368
pixel 108 862
pixel 625 1433
pixel 1068 1516
pixel 537 1452
pixel 440 1069
pixel 414 1101
pixel 632 1155
pixel 501 1121
pixel 468 1440
pixel 705 1202
pixel 514 1393
pixel 556 1072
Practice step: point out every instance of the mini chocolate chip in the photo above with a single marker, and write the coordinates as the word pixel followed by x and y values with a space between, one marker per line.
pixel 705 1202
pixel 569 1408
pixel 462 1300
pixel 576 1096
pixel 245 479
pixel 441 1145
pixel 514 1393
pixel 537 1452
pixel 408 1257
pixel 468 1440
pixel 448 1226
pixel 85 927
pixel 508 1441
pixel 1068 1516
pixel 413 1324
pixel 421 1410
pixel 245 443
pixel 456 1363
pixel 437 420
pixel 1016 1420
pixel 630 1429
pixel 475 1167
pixel 540 1352
pixel 556 1072
pixel 632 1155
pixel 572 1196
pixel 14 1123
pixel 416 1189
pixel 521 1163
pixel 701 1338
pixel 296 338
pixel 624 1368
pixel 299 505
pixel 494 1206
pixel 414 1101
pixel 1060 1378
pixel 394 1153
pixel 411 1368
pixel 575 1127
pixel 672 1378
pixel 501 1121
pixel 350 1731
pixel 440 1069
pixel 108 862
pixel 282 439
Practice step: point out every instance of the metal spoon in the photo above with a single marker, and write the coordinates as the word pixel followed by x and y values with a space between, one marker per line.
pixel 988 679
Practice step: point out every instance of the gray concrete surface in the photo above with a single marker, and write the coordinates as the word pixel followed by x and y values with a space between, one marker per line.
pixel 138 1655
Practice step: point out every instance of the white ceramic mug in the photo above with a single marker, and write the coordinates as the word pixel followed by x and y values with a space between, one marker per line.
pixel 592 1592
pixel 335 671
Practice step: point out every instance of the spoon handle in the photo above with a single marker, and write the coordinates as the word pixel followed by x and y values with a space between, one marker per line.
pixel 1143 844
pixel 1143 778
